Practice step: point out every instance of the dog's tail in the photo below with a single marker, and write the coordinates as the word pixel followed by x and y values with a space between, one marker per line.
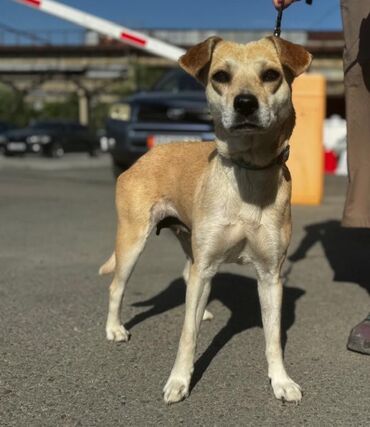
pixel 109 265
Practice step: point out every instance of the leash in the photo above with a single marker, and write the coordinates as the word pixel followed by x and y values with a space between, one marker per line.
pixel 279 18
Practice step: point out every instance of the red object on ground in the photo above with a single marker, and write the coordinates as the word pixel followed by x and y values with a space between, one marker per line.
pixel 331 162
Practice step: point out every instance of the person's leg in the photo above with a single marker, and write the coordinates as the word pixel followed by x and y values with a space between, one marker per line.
pixel 356 25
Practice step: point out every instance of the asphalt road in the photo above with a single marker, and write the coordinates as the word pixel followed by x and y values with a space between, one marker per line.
pixel 57 369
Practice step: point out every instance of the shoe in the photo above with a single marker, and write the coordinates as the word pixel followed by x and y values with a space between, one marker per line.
pixel 359 338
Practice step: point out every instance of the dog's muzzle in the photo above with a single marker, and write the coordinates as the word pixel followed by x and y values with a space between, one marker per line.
pixel 246 105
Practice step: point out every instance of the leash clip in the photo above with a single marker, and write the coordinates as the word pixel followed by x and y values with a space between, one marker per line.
pixel 279 17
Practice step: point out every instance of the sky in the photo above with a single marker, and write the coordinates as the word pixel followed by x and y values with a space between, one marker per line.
pixel 206 14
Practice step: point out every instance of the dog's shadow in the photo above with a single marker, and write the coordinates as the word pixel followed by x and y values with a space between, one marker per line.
pixel 238 294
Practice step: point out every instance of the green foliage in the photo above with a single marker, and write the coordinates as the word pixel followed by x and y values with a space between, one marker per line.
pixel 60 110
pixel 13 109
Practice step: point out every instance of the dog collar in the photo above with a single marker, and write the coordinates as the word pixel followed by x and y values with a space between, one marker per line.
pixel 281 159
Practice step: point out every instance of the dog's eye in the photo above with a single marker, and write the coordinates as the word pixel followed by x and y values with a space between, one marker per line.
pixel 270 75
pixel 221 77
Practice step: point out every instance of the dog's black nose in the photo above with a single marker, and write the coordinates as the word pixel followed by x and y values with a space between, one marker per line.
pixel 245 104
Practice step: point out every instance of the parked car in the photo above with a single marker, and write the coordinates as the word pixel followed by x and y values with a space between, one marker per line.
pixel 50 138
pixel 105 144
pixel 175 109
pixel 4 127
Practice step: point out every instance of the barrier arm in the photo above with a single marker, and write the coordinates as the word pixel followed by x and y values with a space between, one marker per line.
pixel 108 28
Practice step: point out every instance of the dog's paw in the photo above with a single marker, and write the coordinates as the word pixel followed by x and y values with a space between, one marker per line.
pixel 117 333
pixel 175 390
pixel 207 315
pixel 287 390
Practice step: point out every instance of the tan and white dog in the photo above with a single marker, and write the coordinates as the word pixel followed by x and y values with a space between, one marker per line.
pixel 227 201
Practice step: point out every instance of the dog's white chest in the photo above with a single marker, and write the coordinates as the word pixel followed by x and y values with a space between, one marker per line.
pixel 241 235
pixel 244 217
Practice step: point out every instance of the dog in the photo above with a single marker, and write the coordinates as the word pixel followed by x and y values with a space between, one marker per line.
pixel 226 201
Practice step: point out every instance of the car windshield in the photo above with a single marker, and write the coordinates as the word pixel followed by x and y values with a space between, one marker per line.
pixel 177 81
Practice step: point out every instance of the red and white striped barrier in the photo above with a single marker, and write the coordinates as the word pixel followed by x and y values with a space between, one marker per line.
pixel 108 28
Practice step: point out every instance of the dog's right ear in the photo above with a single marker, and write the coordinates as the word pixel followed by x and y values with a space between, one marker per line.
pixel 197 59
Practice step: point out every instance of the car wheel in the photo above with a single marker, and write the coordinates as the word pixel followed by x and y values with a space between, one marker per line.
pixel 93 152
pixel 56 151
pixel 118 168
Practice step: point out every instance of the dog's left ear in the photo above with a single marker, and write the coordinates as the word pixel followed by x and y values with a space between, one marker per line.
pixel 293 56
pixel 197 58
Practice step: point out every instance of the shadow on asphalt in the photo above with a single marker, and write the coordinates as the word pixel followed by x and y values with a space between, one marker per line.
pixel 238 294
pixel 346 249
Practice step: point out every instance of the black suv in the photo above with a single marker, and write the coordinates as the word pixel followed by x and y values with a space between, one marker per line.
pixel 4 127
pixel 175 109
pixel 50 138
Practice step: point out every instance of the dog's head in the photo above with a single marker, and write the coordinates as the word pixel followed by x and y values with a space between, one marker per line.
pixel 248 86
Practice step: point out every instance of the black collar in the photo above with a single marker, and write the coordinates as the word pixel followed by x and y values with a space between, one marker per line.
pixel 281 159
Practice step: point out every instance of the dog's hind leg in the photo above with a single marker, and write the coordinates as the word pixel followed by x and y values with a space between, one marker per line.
pixel 131 238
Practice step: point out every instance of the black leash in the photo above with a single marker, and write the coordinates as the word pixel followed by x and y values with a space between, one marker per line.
pixel 279 17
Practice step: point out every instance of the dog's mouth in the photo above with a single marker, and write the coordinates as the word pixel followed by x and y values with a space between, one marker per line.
pixel 246 126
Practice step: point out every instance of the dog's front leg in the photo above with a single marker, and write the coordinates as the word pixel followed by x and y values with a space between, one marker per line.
pixel 270 292
pixel 186 274
pixel 197 292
